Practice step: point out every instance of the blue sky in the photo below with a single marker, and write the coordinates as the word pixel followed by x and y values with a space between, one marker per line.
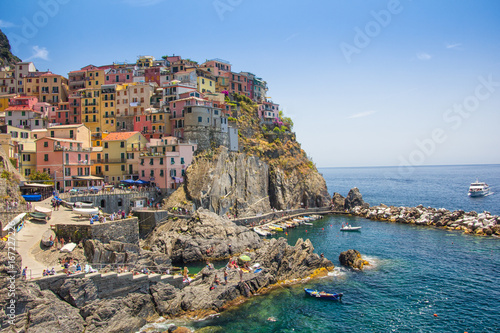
pixel 367 83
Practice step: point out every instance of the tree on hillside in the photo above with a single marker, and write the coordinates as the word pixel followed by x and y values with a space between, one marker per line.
pixel 37 175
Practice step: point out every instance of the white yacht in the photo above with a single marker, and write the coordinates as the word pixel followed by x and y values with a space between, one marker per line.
pixel 478 189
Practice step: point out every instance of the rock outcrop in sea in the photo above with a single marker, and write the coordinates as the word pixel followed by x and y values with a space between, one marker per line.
pixel 352 258
pixel 482 224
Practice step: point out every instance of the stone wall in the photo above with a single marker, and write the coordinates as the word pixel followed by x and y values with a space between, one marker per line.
pixel 114 201
pixel 206 137
pixel 149 219
pixel 112 284
pixel 257 220
pixel 126 231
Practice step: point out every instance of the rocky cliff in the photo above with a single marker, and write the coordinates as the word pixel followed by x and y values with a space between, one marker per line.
pixel 205 236
pixel 270 171
pixel 6 57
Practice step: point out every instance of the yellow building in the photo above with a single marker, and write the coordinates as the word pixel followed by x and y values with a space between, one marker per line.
pixel 47 87
pixel 108 109
pixel 115 159
pixel 95 78
pixel 145 61
pixel 90 104
pixel 4 101
pixel 205 82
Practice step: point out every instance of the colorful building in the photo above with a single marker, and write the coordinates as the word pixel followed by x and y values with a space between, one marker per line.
pixel 164 162
pixel 117 164
pixel 21 113
pixel 47 87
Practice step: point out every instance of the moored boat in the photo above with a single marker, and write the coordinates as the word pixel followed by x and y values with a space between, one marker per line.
pixel 323 295
pixel 48 237
pixel 349 228
pixel 43 210
pixel 478 189
pixel 261 232
pixel 39 216
pixel 14 222
pixel 86 211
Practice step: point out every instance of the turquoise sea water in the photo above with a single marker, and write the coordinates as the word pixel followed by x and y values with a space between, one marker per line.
pixel 417 272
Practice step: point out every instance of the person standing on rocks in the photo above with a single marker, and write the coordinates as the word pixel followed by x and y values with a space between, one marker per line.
pixel 25 270
pixel 225 276
pixel 241 274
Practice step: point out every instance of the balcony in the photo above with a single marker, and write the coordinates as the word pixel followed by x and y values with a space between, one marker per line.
pixel 90 104
pixel 110 161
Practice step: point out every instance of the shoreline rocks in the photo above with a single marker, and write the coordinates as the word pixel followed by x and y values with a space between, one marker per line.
pixel 481 224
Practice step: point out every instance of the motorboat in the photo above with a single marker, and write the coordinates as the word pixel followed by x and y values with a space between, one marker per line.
pixel 261 232
pixel 43 210
pixel 478 189
pixel 86 211
pixel 323 295
pixel 12 224
pixel 350 228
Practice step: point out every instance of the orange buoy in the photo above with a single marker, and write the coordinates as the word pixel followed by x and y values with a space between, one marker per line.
pixel 306 230
pixel 322 228
pixel 435 315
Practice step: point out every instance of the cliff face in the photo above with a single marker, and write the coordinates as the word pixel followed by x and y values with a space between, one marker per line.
pixel 271 171
pixel 6 57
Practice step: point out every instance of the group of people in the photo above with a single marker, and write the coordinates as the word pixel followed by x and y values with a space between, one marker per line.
pixel 55 202
pixel 12 205
pixel 47 272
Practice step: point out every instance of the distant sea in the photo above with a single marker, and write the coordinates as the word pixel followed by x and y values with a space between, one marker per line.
pixel 435 186
pixel 422 279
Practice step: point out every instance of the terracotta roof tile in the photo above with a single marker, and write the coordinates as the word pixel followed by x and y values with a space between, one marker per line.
pixel 119 136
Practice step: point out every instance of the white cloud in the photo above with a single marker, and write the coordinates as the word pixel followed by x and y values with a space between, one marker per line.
pixel 453 46
pixel 5 24
pixel 361 114
pixel 39 53
pixel 423 56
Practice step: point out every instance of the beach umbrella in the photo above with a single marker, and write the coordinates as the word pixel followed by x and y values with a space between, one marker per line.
pixel 140 182
pixel 128 181
pixel 245 258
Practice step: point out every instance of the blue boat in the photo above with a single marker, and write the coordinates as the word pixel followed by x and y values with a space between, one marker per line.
pixel 323 295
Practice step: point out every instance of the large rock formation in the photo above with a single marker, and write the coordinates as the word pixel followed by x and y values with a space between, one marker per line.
pixel 6 57
pixel 338 202
pixel 229 183
pixel 77 305
pixel 278 260
pixel 352 258
pixel 205 236
pixel 354 199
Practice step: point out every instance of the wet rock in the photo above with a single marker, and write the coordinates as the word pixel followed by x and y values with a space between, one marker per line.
pixel 352 258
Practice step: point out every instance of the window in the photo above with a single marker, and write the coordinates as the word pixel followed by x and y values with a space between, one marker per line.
pixel 123 167
pixel 152 173
pixel 70 131
pixel 161 173
pixel 172 160
pixel 27 172
pixel 161 161
pixel 37 122
pixel 142 173
pixel 200 119
pixel 122 144
pixel 142 161
pixel 106 167
pixel 46 157
pixel 105 145
pixel 46 144
pixel 151 161
pixel 182 160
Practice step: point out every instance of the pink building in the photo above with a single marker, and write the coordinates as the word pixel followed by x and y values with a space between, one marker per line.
pixel 165 161
pixel 216 66
pixel 118 75
pixel 67 162
pixel 268 111
pixel 177 110
pixel 47 110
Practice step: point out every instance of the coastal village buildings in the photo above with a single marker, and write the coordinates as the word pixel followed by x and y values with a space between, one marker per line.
pixel 142 120
pixel 119 150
